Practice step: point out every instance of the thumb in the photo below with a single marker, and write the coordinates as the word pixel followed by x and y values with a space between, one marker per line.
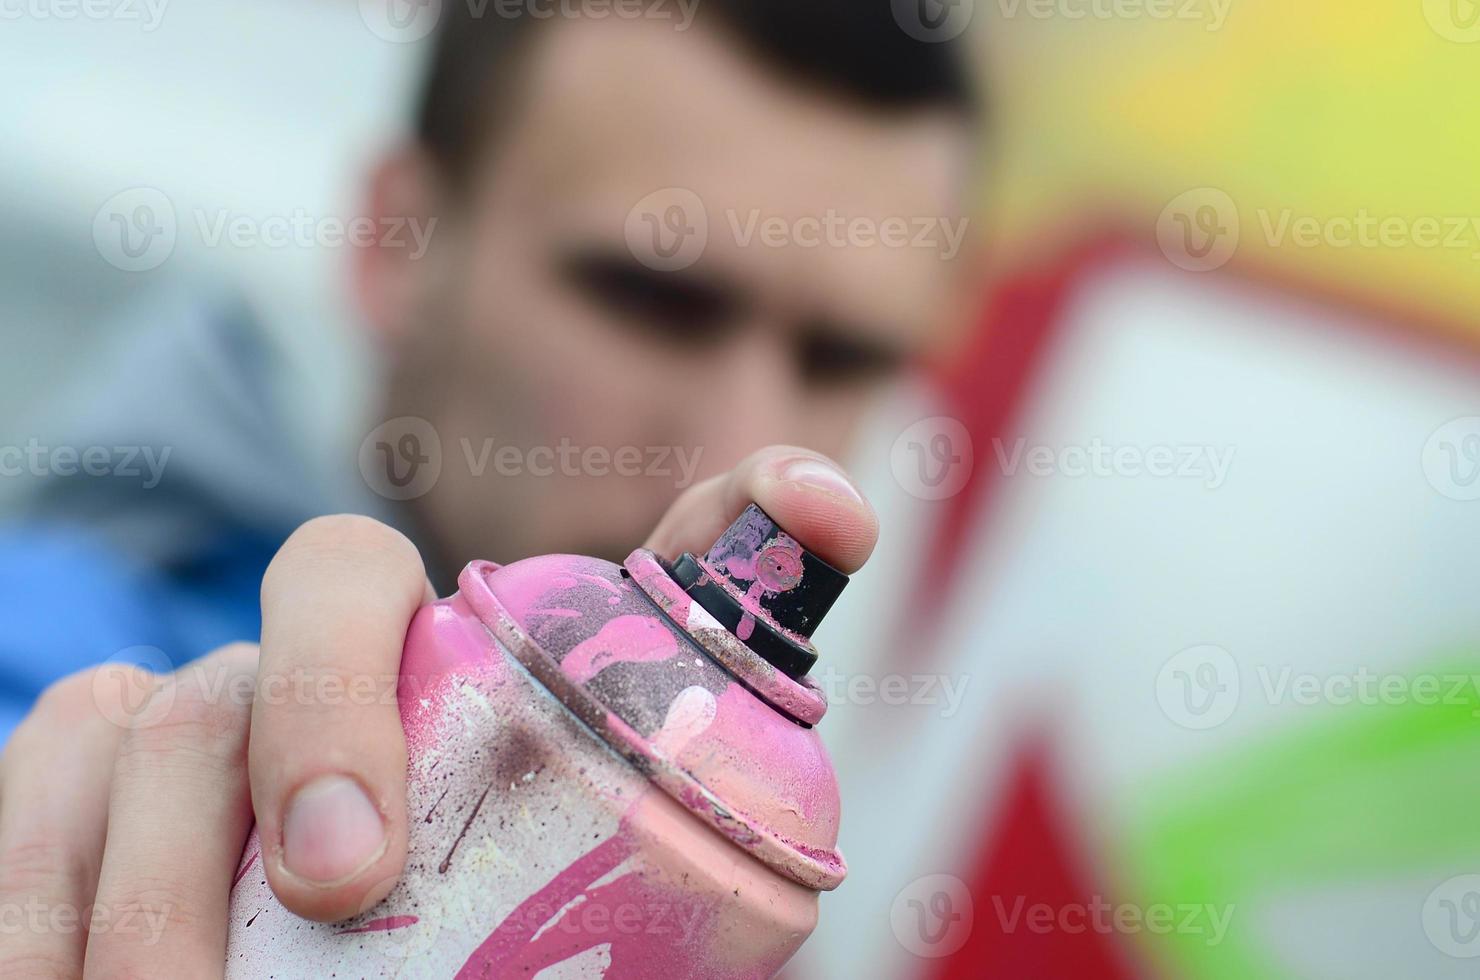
pixel 804 492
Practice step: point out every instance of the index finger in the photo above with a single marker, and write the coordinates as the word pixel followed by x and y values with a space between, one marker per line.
pixel 327 754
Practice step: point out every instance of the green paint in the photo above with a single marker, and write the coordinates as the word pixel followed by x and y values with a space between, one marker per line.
pixel 1364 792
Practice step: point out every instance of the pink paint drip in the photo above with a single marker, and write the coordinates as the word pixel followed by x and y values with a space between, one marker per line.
pixel 625 639
pixel 572 915
pixel 383 925
pixel 496 955
pixel 653 950
pixel 751 603
pixel 245 868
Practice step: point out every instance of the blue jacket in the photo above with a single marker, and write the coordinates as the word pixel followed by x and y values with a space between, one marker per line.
pixel 159 560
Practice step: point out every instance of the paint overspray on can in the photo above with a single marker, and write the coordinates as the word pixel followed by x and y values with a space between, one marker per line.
pixel 612 770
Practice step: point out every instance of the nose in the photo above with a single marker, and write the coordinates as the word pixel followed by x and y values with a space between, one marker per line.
pixel 753 400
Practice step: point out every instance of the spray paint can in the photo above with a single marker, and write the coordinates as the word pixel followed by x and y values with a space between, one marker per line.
pixel 612 770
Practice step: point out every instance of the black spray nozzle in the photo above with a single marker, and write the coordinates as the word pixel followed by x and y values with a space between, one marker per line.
pixel 764 587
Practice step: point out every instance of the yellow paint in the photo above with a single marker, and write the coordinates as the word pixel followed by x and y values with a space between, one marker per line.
pixel 1318 109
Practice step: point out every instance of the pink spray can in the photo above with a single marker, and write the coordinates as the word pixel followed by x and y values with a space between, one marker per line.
pixel 613 772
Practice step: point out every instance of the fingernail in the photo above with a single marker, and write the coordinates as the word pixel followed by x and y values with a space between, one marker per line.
pixel 816 473
pixel 332 831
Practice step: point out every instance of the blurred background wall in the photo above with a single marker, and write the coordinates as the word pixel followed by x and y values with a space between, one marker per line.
pixel 1330 109
pixel 1144 195
pixel 262 109
pixel 1325 107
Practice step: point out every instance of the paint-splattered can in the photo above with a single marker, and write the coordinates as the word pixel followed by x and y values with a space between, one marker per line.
pixel 613 771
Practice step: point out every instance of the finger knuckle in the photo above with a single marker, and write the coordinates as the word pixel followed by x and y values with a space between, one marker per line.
pixel 73 699
pixel 196 723
pixel 240 650
pixel 67 714
pixel 144 910
pixel 38 865
pixel 19 963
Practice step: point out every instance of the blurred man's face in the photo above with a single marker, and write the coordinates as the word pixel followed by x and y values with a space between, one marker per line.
pixel 536 335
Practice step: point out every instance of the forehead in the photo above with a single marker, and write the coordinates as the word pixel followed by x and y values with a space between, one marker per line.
pixel 799 188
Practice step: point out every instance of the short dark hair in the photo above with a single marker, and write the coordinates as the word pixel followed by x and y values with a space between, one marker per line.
pixel 854 49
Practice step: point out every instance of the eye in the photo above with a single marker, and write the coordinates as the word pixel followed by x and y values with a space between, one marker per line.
pixel 836 358
pixel 677 307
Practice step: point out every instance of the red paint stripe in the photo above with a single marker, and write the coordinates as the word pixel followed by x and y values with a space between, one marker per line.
pixel 1030 868
pixel 382 925
pixel 992 383
pixel 1027 848
pixel 245 868
pixel 518 929
pixel 986 389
